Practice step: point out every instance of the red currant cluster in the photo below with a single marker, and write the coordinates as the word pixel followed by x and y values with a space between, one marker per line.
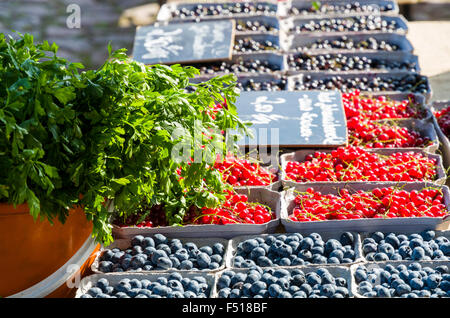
pixel 236 209
pixel 356 164
pixel 242 172
pixel 378 203
pixel 379 135
pixel 378 108
pixel 443 119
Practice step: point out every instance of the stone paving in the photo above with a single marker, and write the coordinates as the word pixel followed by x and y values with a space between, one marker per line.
pixel 46 19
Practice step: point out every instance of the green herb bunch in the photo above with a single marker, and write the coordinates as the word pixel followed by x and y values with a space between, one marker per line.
pixel 69 138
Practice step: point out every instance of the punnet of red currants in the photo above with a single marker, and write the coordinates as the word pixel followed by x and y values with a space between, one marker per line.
pixel 243 172
pixel 383 202
pixel 443 119
pixel 370 134
pixel 356 105
pixel 357 164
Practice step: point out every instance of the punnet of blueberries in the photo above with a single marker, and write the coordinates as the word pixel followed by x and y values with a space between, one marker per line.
pixel 161 253
pixel 410 280
pixel 262 84
pixel 249 45
pixel 253 65
pixel 256 25
pixel 424 246
pixel 414 83
pixel 281 283
pixel 223 9
pixel 348 24
pixel 293 249
pixel 344 62
pixel 348 43
pixel 170 286
pixel 340 8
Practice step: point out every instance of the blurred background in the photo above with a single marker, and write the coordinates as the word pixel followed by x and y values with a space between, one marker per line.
pixel 102 21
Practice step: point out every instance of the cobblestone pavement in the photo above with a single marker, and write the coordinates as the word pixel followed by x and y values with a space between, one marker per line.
pixel 46 20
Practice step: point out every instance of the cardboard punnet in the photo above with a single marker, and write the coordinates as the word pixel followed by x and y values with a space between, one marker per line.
pixel 326 235
pixel 382 265
pixel 301 154
pixel 261 195
pixel 412 224
pixel 113 279
pixel 124 244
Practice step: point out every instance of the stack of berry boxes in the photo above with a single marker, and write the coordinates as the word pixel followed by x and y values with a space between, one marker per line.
pixel 367 220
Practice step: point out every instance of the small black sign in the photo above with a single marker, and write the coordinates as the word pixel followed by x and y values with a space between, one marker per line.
pixel 294 119
pixel 184 42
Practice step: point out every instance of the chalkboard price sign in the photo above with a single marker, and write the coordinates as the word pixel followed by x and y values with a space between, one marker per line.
pixel 184 42
pixel 294 119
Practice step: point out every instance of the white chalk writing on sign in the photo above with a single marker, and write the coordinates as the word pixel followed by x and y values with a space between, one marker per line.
pixel 263 105
pixel 327 104
pixel 160 44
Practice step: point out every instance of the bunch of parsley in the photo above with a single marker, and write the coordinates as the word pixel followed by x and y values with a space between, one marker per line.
pixel 77 138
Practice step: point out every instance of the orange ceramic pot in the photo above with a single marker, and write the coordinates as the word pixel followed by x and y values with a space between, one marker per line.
pixel 30 251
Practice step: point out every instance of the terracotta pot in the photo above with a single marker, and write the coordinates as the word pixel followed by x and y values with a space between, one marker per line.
pixel 31 251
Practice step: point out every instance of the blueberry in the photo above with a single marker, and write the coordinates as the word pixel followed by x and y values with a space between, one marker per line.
pixel 416 283
pixel 203 260
pixel 333 260
pixel 307 243
pixel 275 290
pixel 433 281
pixel 405 252
pixel 189 294
pixel 305 255
pixel 368 240
pixel 285 294
pixel 360 275
pixel 396 257
pixel 313 278
pixel 392 240
pixel 257 252
pixel 264 261
pixel 327 278
pixel 418 253
pixel 165 248
pixel 135 283
pixel 445 286
pixel 340 281
pixel 428 235
pixel 443 269
pixel 157 255
pixel 224 293
pixel 300 294
pixel 186 265
pixel 369 248
pixel 382 292
pixel 438 255
pixel 249 245
pixel 332 245
pixel 350 254
pixel 160 239
pixel 424 293
pixel 218 248
pixel 402 289
pixel 319 259
pixel 380 257
pixel 317 250
pixel 137 240
pixel 347 238
pixel 206 249
pixel 445 248
pixel 337 254
pixel 105 266
pixel 102 283
pixel 377 236
pixel 95 291
pixel 416 242
pixel 134 292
